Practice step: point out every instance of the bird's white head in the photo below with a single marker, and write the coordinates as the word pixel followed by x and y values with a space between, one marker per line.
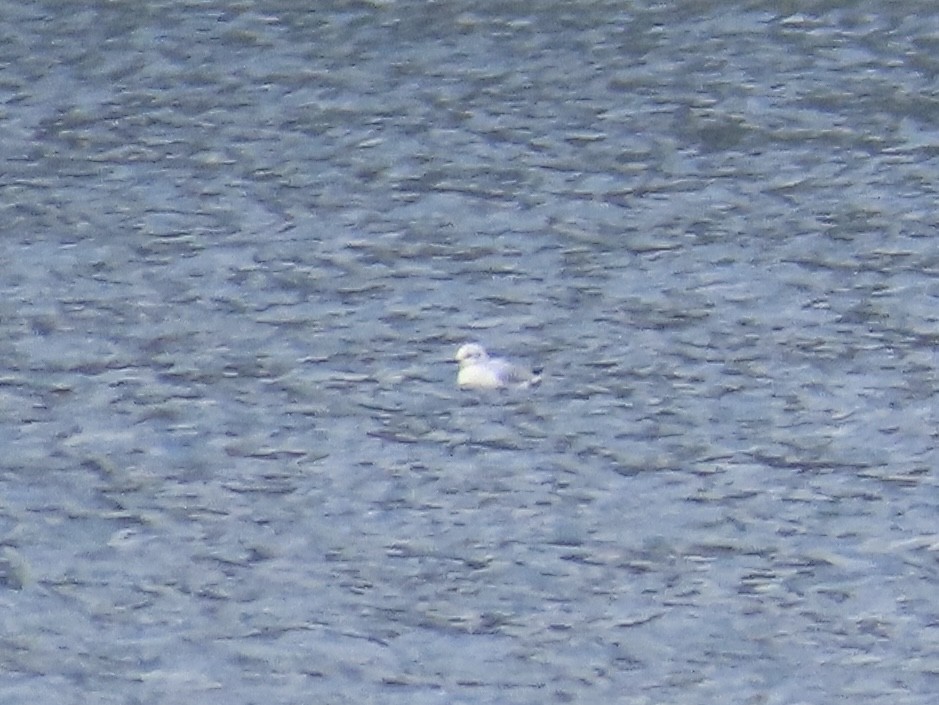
pixel 471 354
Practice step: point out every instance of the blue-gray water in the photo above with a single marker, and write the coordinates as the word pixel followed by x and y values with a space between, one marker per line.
pixel 241 242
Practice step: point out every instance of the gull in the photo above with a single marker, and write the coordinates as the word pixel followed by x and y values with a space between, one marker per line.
pixel 479 371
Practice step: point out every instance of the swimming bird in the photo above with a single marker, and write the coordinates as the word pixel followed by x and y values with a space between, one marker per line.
pixel 479 371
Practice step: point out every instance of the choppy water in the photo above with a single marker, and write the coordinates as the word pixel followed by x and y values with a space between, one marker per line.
pixel 240 243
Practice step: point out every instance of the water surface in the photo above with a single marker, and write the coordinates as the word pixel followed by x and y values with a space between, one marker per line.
pixel 241 244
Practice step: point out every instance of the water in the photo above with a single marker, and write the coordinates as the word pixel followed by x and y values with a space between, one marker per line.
pixel 241 244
